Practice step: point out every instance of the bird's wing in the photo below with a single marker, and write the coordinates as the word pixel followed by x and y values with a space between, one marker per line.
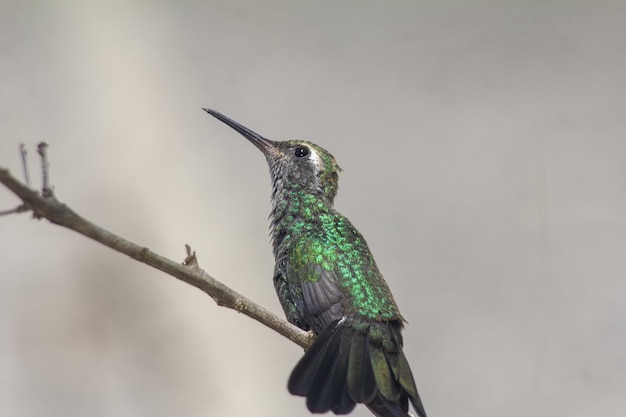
pixel 311 270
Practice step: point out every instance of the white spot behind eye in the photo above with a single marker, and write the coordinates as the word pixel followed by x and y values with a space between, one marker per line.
pixel 317 161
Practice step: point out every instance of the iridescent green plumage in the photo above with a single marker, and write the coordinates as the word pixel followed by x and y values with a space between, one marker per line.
pixel 327 281
pixel 333 244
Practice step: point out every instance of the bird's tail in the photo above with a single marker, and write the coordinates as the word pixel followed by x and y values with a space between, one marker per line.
pixel 357 361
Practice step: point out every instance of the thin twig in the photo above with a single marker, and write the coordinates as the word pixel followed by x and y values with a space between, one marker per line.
pixel 46 189
pixel 60 214
pixel 191 259
pixel 24 155
pixel 19 209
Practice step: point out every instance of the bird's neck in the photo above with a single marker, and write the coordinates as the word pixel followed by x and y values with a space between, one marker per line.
pixel 295 210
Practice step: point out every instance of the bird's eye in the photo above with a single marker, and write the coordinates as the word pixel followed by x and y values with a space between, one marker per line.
pixel 301 151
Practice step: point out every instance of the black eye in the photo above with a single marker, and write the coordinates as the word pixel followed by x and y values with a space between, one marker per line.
pixel 301 151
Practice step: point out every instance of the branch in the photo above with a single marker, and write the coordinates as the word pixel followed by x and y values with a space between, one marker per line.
pixel 47 206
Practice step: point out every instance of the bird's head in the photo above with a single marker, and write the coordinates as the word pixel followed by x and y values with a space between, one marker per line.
pixel 294 164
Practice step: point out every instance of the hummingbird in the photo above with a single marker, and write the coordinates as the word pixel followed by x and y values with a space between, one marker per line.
pixel 327 282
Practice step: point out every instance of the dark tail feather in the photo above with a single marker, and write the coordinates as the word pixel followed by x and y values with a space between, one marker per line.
pixel 320 376
pixel 304 373
pixel 353 363
pixel 327 386
pixel 361 379
pixel 382 407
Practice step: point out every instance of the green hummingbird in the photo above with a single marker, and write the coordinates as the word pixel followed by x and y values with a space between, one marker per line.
pixel 327 281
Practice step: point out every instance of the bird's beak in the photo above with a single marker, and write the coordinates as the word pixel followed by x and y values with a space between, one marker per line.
pixel 265 145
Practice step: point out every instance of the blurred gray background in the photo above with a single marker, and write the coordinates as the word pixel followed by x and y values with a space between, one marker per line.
pixel 483 146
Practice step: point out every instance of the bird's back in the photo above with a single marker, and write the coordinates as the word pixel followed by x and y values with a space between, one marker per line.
pixel 337 274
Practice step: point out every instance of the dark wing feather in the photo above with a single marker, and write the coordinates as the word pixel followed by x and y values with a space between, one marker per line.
pixel 322 297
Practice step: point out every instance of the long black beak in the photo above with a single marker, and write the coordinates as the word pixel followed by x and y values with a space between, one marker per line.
pixel 265 145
